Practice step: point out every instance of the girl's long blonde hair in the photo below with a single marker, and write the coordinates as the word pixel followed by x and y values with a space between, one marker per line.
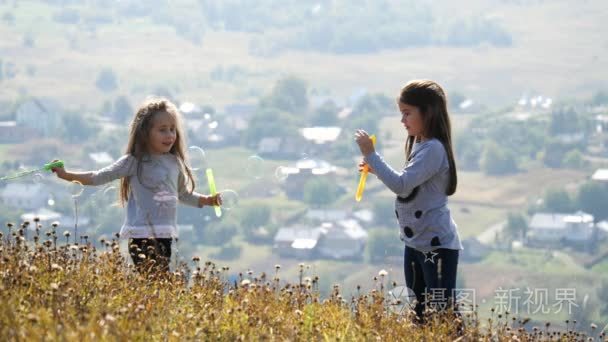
pixel 138 140
pixel 430 99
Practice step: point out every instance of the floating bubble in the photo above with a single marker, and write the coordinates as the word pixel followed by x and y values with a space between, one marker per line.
pixel 197 158
pixel 37 178
pixel 213 124
pixel 50 201
pixel 110 196
pixel 76 189
pixel 207 116
pixel 255 167
pixel 230 199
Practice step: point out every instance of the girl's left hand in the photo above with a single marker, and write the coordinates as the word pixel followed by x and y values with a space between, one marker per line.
pixel 365 142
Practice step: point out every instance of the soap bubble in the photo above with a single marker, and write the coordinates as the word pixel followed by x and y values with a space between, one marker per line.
pixel 37 178
pixel 197 158
pixel 255 167
pixel 109 196
pixel 230 199
pixel 76 189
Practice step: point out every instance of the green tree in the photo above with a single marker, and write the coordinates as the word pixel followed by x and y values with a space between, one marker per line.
pixel 468 151
pixel 252 219
pixel 270 122
pixel 559 201
pixel 554 154
pixel 377 105
pixel 319 192
pixel 516 225
pixel 106 80
pixel 574 160
pixel 497 161
pixel 289 95
pixel 325 115
pixel 564 120
pixel 78 128
pixel 221 232
pixel 592 198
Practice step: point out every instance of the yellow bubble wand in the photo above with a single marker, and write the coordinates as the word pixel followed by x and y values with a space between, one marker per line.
pixel 212 189
pixel 363 177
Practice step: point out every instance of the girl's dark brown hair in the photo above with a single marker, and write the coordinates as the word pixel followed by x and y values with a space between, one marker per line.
pixel 138 139
pixel 430 99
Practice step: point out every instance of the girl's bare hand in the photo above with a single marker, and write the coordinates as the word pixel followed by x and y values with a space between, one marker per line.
pixel 59 171
pixel 216 199
pixel 363 165
pixel 365 142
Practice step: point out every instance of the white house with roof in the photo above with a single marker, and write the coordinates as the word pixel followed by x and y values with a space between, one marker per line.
pixel 344 239
pixel 320 135
pixel 41 115
pixel 276 147
pixel 600 175
pixel 26 196
pixel 552 228
pixel 304 170
pixel 602 228
pixel 297 241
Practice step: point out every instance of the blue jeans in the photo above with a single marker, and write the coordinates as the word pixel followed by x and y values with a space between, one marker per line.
pixel 432 278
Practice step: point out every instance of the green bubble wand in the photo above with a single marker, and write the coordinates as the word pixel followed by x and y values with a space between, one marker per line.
pixel 212 189
pixel 46 167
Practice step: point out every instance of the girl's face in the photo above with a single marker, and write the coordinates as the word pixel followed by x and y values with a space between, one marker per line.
pixel 162 135
pixel 411 118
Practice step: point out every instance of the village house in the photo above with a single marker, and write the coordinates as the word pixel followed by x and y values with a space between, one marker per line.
pixel 600 175
pixel 41 115
pixel 552 229
pixel 297 241
pixel 11 133
pixel 343 239
pixel 302 172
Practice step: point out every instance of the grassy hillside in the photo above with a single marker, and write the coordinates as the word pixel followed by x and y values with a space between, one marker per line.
pixel 67 292
pixel 556 51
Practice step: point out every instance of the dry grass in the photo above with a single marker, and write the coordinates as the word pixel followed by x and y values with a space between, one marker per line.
pixel 54 290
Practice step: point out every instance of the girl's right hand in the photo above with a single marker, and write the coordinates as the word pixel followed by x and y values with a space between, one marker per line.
pixel 60 171
pixel 216 199
pixel 363 164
